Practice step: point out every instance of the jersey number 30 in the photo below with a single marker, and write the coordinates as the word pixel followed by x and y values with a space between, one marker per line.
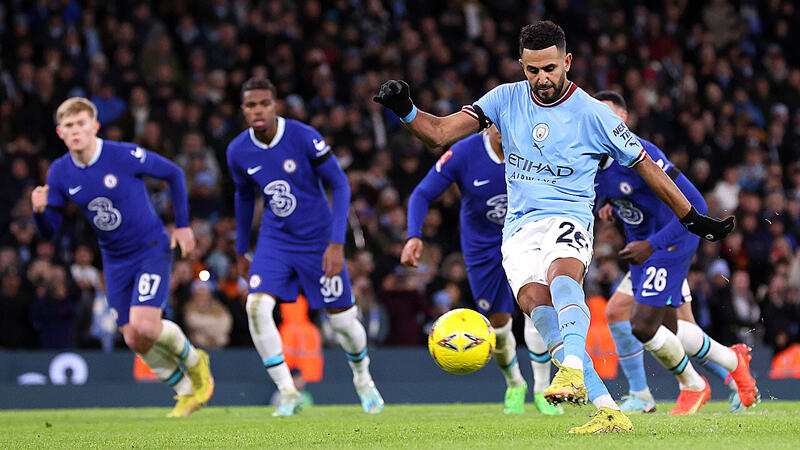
pixel 281 200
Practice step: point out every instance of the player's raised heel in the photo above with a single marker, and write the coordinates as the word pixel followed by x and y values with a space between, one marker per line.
pixel 745 383
pixel 633 404
pixel 546 408
pixel 605 420
pixel 567 386
pixel 689 402
pixel 371 400
pixel 202 380
pixel 291 404
pixel 186 405
pixel 515 399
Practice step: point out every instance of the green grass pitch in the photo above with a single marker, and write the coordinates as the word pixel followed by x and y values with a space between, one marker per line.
pixel 770 425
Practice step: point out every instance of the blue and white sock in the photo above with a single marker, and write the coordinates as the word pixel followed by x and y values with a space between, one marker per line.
pixel 631 355
pixel 573 318
pixel 708 352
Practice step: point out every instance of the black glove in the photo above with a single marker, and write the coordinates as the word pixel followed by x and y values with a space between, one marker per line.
pixel 706 227
pixel 396 96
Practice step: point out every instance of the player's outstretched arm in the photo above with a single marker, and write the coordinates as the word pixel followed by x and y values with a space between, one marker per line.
pixel 434 131
pixel 662 185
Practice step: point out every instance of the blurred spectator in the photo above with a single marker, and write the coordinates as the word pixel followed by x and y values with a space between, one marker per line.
pixel 208 323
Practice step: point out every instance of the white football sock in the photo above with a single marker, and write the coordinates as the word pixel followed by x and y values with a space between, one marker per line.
pixel 505 353
pixel 538 349
pixel 667 349
pixel 605 400
pixel 353 338
pixel 267 340
pixel 175 342
pixel 696 346
pixel 166 367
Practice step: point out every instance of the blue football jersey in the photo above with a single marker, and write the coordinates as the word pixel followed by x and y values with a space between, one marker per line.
pixel 552 151
pixel 289 173
pixel 480 176
pixel 642 213
pixel 112 194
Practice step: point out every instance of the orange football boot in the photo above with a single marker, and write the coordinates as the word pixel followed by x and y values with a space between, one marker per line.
pixel 689 402
pixel 745 383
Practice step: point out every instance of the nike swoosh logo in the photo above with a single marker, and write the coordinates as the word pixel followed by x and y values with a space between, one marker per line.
pixel 144 298
pixel 75 190
pixel 648 293
pixel 478 183
pixel 252 170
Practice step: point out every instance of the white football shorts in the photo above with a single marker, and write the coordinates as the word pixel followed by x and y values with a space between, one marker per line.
pixel 529 252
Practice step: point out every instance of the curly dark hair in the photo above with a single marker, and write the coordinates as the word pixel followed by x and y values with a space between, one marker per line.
pixel 540 35
pixel 258 83
pixel 613 97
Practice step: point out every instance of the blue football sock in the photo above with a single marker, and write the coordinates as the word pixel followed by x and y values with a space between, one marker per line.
pixel 546 321
pixel 573 314
pixel 721 372
pixel 631 355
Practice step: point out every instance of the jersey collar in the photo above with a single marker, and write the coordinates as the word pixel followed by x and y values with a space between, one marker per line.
pixel 275 139
pixel 487 144
pixel 98 148
pixel 570 89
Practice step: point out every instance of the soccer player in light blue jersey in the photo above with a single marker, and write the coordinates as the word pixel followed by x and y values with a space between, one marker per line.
pixel 476 166
pixel 655 290
pixel 105 179
pixel 301 240
pixel 554 135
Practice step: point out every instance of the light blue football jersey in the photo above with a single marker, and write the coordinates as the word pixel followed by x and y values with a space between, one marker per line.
pixel 553 151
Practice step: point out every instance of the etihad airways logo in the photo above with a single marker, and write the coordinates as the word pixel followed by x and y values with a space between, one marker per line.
pixel 527 165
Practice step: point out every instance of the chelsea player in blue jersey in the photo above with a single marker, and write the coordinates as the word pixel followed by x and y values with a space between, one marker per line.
pixel 554 135
pixel 475 164
pixel 105 179
pixel 301 240
pixel 660 252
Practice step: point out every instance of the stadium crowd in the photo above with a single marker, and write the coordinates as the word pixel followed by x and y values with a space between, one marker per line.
pixel 717 87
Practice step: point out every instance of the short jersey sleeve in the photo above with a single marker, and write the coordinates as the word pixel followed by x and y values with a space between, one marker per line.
pixel 612 136
pixel 657 155
pixel 493 102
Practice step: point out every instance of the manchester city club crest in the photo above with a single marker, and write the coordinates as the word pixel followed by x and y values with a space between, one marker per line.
pixel 540 132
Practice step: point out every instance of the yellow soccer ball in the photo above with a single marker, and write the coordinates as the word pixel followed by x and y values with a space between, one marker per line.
pixel 461 341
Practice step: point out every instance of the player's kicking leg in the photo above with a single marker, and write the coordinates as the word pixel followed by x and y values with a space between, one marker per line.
pixel 629 350
pixel 540 363
pixel 505 354
pixel 353 338
pixel 731 364
pixel 163 347
pixel 608 417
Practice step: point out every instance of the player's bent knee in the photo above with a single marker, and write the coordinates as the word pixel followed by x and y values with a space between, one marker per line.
pixel 615 312
pixel 259 301
pixel 643 331
pixel 499 319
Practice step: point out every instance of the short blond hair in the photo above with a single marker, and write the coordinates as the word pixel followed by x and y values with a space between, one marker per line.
pixel 74 105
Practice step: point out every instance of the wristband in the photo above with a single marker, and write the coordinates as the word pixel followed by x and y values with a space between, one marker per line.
pixel 410 116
